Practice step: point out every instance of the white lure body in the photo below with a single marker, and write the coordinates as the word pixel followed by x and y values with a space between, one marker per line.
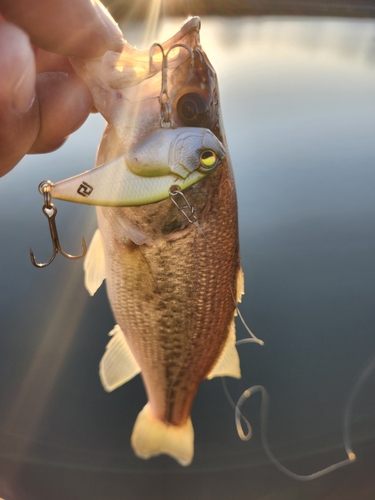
pixel 145 174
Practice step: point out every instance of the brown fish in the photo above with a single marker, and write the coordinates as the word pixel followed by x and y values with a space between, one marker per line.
pixel 173 285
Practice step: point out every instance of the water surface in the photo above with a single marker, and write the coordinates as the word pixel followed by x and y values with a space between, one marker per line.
pixel 298 99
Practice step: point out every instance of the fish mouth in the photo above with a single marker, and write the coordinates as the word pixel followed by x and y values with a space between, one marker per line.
pixel 129 70
pixel 120 82
pixel 188 34
pixel 189 30
pixel 189 86
pixel 118 71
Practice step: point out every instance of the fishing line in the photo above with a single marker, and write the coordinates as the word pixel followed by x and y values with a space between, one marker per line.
pixel 189 212
pixel 264 410
pixel 242 435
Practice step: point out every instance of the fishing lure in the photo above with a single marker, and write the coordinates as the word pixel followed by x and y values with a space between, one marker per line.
pixel 144 175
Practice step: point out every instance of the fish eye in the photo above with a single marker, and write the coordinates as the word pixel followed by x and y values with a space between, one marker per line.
pixel 208 159
pixel 192 109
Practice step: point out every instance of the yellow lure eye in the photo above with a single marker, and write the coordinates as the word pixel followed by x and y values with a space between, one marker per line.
pixel 208 158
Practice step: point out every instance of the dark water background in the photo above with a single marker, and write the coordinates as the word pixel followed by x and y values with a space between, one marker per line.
pixel 298 98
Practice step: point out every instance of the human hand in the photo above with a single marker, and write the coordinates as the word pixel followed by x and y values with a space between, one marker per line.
pixel 42 100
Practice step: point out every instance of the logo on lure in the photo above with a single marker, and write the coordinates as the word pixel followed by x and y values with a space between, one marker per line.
pixel 85 189
pixel 144 175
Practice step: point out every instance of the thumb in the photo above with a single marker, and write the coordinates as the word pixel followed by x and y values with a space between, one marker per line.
pixel 17 77
pixel 74 28
pixel 18 110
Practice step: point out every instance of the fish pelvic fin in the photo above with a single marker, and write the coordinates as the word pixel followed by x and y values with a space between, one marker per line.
pixel 94 264
pixel 228 364
pixel 153 437
pixel 118 364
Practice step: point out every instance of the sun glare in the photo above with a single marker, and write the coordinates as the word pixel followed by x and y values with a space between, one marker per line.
pixel 152 22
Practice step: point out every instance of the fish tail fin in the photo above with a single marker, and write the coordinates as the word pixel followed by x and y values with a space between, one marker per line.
pixel 153 437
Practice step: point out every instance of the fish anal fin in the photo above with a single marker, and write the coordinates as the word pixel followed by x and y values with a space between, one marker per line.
pixel 153 437
pixel 94 264
pixel 118 365
pixel 228 364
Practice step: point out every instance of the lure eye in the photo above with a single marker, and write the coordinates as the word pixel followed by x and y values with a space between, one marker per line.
pixel 192 109
pixel 208 159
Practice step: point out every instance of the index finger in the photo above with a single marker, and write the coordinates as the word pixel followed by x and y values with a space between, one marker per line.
pixel 75 28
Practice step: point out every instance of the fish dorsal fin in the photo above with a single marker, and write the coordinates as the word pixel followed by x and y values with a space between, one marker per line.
pixel 228 364
pixel 94 264
pixel 118 365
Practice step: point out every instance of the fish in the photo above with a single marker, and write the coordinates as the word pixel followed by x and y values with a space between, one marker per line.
pixel 173 281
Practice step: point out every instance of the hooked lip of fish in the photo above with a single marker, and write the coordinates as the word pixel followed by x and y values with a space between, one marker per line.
pixel 114 71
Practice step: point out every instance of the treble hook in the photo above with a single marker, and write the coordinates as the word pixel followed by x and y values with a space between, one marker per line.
pixel 165 109
pixel 50 212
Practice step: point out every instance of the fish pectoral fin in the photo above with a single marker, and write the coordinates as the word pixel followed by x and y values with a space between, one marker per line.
pixel 228 364
pixel 94 264
pixel 118 365
pixel 152 437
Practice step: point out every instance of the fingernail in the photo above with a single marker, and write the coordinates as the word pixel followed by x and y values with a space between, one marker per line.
pixel 24 89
